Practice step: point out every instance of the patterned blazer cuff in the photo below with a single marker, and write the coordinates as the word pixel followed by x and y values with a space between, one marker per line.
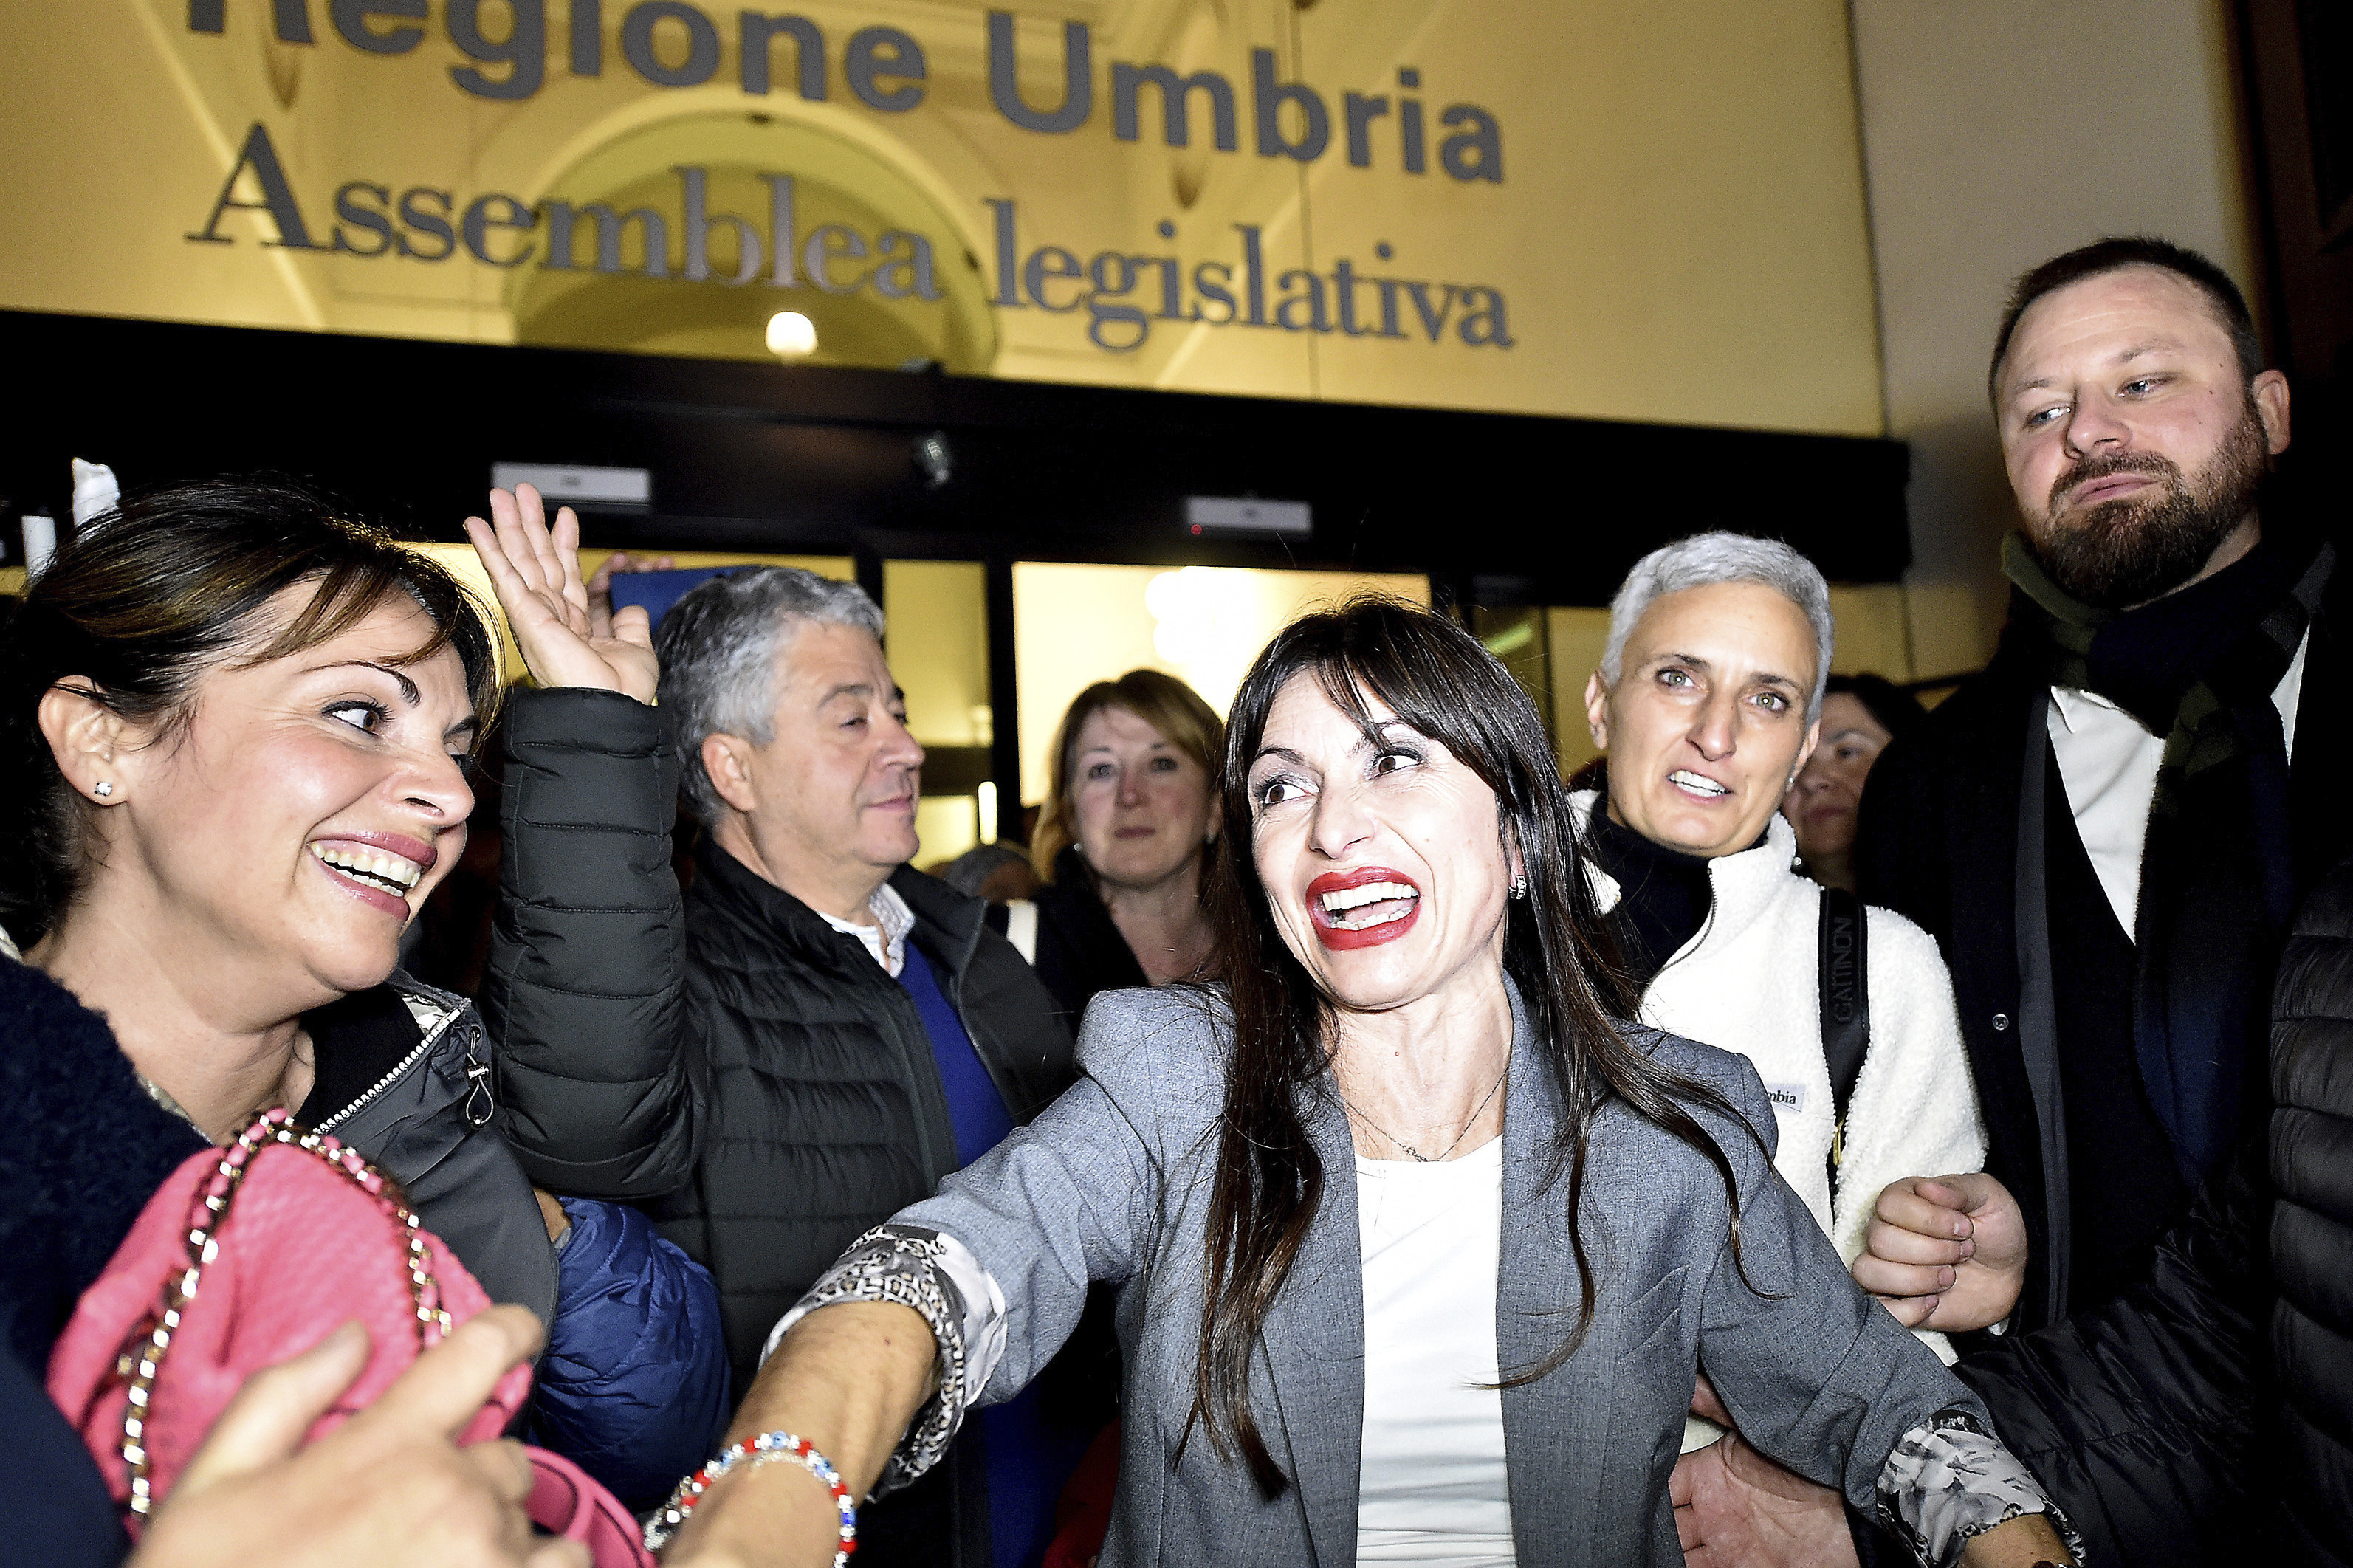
pixel 936 1277
pixel 1949 1480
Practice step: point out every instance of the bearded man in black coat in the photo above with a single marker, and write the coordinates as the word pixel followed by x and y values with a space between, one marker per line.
pixel 2109 832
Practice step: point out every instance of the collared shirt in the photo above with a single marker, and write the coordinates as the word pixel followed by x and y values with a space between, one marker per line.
pixel 2109 764
pixel 886 939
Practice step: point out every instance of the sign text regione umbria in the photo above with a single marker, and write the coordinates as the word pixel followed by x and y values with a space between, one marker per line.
pixel 1120 294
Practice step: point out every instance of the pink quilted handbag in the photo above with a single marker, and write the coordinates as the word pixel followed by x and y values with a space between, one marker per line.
pixel 246 1255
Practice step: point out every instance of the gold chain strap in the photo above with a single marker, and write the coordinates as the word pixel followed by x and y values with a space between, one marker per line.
pixel 142 1356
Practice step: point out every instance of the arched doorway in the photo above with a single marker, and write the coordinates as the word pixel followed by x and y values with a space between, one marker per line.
pixel 884 324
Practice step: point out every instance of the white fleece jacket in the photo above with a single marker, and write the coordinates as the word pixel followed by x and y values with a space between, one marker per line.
pixel 1751 982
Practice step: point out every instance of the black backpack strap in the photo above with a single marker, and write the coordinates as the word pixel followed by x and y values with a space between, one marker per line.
pixel 1846 1003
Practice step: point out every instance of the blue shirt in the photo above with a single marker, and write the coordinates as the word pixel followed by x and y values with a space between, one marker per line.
pixel 1028 1460
pixel 975 1108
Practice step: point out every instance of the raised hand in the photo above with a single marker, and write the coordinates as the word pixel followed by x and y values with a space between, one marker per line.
pixel 535 571
pixel 1945 1252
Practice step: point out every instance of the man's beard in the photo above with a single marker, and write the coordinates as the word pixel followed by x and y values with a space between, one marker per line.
pixel 2119 554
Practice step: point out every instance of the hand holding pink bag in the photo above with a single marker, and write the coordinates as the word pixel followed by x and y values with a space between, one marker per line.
pixel 248 1254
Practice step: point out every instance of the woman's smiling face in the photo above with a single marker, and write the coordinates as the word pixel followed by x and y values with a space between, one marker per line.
pixel 299 818
pixel 1381 857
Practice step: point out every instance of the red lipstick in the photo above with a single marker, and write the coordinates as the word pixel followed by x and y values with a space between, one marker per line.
pixel 1340 937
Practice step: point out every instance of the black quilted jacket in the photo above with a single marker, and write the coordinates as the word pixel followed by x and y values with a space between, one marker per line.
pixel 2206 1416
pixel 747 1073
pixel 2141 1416
pixel 2312 1228
pixel 730 1060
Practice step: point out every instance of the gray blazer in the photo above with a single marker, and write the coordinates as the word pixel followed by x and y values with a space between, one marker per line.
pixel 1112 1181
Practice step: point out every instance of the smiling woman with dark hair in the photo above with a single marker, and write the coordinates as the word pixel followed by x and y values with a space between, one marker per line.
pixel 1419 1245
pixel 237 729
pixel 238 726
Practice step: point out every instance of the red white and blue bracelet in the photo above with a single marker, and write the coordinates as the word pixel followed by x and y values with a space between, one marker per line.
pixel 767 1447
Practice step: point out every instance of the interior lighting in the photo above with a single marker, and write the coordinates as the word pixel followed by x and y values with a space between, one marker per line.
pixel 1511 638
pixel 984 799
pixel 791 335
pixel 1209 626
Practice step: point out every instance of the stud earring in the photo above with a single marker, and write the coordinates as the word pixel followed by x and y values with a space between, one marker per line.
pixel 1519 886
pixel 101 789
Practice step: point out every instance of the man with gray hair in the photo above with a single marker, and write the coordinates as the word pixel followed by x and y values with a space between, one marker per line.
pixel 808 1040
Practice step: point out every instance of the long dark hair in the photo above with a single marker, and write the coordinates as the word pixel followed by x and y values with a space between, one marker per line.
pixel 1269 1180
pixel 142 601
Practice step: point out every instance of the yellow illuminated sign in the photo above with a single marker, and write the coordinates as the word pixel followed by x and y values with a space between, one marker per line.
pixel 1573 208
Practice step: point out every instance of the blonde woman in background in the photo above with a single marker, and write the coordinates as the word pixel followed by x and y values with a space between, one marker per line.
pixel 1124 838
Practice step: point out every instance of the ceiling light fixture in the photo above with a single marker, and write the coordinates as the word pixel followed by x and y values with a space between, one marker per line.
pixel 791 335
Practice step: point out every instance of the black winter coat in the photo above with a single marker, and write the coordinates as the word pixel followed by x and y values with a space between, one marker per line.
pixel 2140 1415
pixel 1937 844
pixel 85 1151
pixel 749 1073
pixel 2311 1324
pixel 1079 950
pixel 2215 1401
pixel 88 1147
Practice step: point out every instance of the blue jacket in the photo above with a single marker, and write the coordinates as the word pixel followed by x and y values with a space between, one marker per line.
pixel 633 1384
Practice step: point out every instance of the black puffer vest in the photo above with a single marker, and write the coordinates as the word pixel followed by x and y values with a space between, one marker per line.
pixel 731 1062
pixel 825 1111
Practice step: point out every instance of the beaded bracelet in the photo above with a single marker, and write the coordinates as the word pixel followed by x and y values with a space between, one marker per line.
pixel 766 1448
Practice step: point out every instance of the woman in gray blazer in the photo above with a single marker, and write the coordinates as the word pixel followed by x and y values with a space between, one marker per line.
pixel 1420 1250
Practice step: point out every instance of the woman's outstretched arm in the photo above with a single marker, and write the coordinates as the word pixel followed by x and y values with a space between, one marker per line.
pixel 848 1378
pixel 1824 1383
pixel 880 1387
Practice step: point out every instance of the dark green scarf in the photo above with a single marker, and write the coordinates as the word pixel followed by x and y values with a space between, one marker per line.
pixel 2199 668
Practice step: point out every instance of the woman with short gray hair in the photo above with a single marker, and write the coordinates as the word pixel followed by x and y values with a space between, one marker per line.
pixel 1706 560
pixel 1705 705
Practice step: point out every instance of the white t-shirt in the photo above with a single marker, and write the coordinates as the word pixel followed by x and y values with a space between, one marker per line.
pixel 1432 1489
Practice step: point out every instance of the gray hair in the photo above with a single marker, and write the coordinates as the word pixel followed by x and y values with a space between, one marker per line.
pixel 718 647
pixel 1706 558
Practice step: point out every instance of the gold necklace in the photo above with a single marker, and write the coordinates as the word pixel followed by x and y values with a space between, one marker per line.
pixel 1442 1153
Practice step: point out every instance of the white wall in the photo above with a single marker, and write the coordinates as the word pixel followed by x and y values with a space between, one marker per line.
pixel 1998 133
